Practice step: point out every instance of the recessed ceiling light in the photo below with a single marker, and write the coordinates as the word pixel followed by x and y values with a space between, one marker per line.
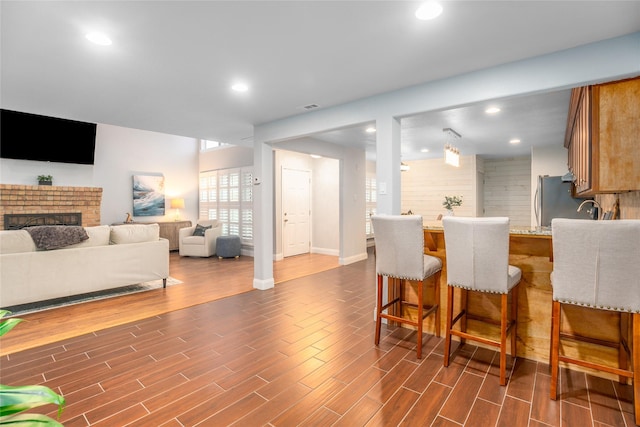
pixel 492 110
pixel 240 87
pixel 514 141
pixel 371 130
pixel 429 10
pixel 316 156
pixel 99 38
pixel 424 150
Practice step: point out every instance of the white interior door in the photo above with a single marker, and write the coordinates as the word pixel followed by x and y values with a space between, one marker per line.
pixel 296 211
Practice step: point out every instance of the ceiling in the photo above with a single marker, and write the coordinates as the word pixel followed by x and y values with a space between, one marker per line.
pixel 172 63
pixel 536 120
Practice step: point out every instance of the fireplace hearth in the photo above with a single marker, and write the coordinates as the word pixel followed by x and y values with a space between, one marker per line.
pixel 19 221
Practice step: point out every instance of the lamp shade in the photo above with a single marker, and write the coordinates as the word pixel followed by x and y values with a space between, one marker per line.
pixel 177 203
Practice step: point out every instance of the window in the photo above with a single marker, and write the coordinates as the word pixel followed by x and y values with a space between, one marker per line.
pixel 370 202
pixel 227 195
pixel 208 145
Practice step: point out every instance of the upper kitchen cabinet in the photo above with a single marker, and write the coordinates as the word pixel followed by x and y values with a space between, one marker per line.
pixel 603 137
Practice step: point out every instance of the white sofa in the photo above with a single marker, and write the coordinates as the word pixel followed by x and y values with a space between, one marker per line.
pixel 112 256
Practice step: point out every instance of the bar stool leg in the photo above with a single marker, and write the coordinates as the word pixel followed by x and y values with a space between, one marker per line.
pixel 503 338
pixel 636 362
pixel 436 282
pixel 420 319
pixel 623 356
pixel 447 332
pixel 378 310
pixel 514 320
pixel 555 348
pixel 464 304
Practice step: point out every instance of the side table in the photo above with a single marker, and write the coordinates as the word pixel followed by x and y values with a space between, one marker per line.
pixel 169 230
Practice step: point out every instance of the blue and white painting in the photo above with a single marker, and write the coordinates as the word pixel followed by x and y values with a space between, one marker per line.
pixel 148 195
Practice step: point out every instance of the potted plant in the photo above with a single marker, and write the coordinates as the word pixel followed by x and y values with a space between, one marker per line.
pixel 17 399
pixel 450 202
pixel 45 179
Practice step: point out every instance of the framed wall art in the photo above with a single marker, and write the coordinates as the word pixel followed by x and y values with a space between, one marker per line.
pixel 148 195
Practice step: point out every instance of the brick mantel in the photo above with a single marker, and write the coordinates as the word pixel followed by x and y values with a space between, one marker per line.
pixel 26 199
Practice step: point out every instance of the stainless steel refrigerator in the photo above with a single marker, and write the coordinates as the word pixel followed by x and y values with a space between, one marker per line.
pixel 553 200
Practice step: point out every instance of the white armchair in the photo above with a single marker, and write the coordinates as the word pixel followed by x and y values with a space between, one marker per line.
pixel 199 246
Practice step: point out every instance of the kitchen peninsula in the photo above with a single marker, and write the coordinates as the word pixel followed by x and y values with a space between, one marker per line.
pixel 530 249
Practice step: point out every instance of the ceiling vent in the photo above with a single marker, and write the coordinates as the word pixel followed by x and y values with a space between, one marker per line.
pixel 311 107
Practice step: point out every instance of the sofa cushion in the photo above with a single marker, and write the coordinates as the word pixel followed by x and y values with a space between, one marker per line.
pixel 16 241
pixel 200 230
pixel 134 233
pixel 98 236
pixel 193 240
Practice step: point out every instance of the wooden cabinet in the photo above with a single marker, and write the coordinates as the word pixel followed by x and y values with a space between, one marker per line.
pixel 169 230
pixel 603 138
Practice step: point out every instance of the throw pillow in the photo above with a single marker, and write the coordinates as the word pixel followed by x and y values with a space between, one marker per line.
pixel 48 237
pixel 200 229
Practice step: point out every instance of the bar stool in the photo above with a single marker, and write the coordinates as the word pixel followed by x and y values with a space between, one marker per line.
pixel 597 266
pixel 477 252
pixel 400 256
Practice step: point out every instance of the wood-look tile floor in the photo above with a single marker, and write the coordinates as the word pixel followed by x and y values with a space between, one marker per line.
pixel 301 354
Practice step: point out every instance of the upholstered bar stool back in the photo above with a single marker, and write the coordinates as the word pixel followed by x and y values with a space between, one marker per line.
pixel 400 257
pixel 477 251
pixel 596 264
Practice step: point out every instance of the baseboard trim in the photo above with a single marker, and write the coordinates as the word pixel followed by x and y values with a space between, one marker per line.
pixel 352 259
pixel 325 251
pixel 263 284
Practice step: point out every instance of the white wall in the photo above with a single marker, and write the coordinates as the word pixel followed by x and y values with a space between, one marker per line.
pixel 124 152
pixel 225 158
pixel 426 183
pixel 25 172
pixel 507 189
pixel 353 236
pixel 325 206
pixel 121 153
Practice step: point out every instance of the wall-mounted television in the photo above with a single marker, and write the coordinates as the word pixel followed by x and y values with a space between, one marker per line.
pixel 26 136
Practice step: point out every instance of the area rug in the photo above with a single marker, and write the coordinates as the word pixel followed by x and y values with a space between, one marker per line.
pixel 92 296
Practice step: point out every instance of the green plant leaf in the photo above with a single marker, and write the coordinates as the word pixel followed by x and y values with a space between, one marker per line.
pixel 20 398
pixel 29 420
pixel 7 325
pixel 15 399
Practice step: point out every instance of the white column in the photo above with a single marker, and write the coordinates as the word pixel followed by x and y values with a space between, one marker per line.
pixel 262 216
pixel 388 165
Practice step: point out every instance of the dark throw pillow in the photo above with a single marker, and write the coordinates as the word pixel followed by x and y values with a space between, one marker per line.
pixel 200 229
pixel 47 237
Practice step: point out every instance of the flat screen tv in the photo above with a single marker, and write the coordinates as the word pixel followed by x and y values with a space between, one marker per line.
pixel 27 136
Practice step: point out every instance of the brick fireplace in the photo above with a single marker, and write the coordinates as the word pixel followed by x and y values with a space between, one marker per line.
pixel 45 199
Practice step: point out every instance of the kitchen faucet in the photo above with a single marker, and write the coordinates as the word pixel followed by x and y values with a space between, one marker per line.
pixel 596 204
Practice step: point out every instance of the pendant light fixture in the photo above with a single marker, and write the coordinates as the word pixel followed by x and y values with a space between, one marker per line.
pixel 451 153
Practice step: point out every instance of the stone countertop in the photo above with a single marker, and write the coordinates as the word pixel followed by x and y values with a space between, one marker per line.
pixel 514 230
